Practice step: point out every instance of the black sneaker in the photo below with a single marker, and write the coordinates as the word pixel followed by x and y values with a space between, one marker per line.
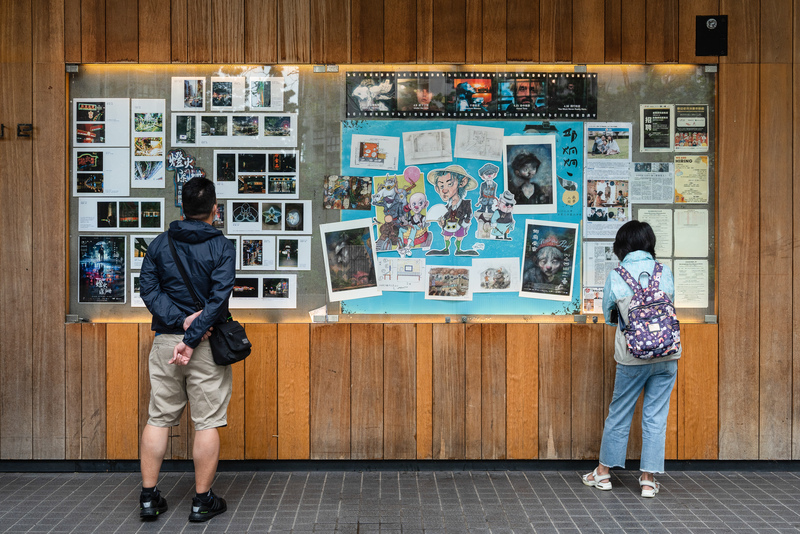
pixel 150 506
pixel 204 511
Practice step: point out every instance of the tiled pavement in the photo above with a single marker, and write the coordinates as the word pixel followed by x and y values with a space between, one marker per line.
pixel 433 502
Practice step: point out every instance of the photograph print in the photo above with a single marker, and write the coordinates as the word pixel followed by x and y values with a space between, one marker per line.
pixel 188 94
pixel 371 94
pixel 421 94
pixel 471 95
pixel 101 269
pixel 349 253
pixel 549 257
pixel 530 172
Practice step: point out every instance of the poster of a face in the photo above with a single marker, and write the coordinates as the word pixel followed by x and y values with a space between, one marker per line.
pixel 349 253
pixel 548 268
pixel 529 163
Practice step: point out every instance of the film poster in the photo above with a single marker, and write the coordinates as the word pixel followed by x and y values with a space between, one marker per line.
pixel 691 128
pixel 101 269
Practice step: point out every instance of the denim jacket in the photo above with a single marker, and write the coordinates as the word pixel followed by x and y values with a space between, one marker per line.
pixel 617 293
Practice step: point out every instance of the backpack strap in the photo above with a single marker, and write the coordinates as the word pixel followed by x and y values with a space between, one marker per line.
pixel 628 279
pixel 655 279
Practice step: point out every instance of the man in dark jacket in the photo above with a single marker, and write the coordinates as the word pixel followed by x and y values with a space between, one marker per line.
pixel 181 365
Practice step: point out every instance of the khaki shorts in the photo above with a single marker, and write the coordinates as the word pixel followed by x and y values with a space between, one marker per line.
pixel 206 385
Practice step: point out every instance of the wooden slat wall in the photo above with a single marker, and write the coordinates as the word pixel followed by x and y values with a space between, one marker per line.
pixel 441 396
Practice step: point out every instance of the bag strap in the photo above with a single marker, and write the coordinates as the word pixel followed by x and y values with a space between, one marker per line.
pixel 628 279
pixel 197 302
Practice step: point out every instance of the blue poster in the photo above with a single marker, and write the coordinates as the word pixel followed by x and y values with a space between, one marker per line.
pixel 466 197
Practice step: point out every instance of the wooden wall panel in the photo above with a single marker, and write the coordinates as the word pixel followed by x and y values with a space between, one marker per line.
pixel 227 23
pixel 293 392
pixel 474 31
pixel 449 376
pixel 555 435
pixel 330 391
pixel 612 31
pixel 588 31
pixel 330 31
pixel 522 387
pixel 662 45
pixel 689 10
pixel 494 31
pixel 587 391
pixel 366 391
pixel 122 31
pixel 93 391
pixel 200 32
pixel 738 263
pixel 472 391
pixel 72 391
pixel 400 44
pixel 399 391
pixel 155 27
pixel 776 31
pixel 49 155
pixel 744 22
pixel 122 391
pixel 93 31
pixel 796 253
pixel 775 256
pixel 493 398
pixel 72 31
pixel 179 31
pixel 231 437
pixel 449 31
pixel 368 32
pixel 522 31
pixel 698 390
pixel 261 393
pixel 261 31
pixel 294 27
pixel 16 259
pixel 555 31
pixel 424 31
pixel 47 28
pixel 424 391
pixel 632 15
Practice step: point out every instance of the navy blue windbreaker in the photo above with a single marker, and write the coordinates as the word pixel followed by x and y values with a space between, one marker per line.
pixel 209 259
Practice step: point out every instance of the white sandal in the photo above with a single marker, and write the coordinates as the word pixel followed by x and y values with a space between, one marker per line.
pixel 601 482
pixel 651 490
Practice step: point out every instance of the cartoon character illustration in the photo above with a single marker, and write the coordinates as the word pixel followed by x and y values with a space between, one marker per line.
pixel 452 184
pixel 503 219
pixel 393 201
pixel 486 202
pixel 547 265
pixel 415 223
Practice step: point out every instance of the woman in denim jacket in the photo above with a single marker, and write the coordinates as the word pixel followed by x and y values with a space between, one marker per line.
pixel 635 246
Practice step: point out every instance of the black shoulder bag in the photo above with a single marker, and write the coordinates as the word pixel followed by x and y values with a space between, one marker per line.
pixel 229 343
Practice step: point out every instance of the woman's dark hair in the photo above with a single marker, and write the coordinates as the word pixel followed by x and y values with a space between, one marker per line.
pixel 198 198
pixel 634 235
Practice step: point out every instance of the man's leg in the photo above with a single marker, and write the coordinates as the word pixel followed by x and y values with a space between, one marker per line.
pixel 153 448
pixel 206 457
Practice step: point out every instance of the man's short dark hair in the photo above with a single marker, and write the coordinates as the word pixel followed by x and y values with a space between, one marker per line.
pixel 199 197
pixel 635 235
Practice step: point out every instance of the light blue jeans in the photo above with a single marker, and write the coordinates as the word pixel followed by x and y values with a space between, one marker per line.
pixel 657 380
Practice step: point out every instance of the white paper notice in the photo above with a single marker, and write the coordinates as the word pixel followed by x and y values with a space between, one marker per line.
pixel 691 179
pixel 661 221
pixel 691 283
pixel 598 261
pixel 652 183
pixel 691 233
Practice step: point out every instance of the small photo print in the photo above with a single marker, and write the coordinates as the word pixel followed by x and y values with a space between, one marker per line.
pixel 280 162
pixel 226 167
pixel 282 185
pixel 288 253
pixel 193 94
pixel 219 217
pixel 347 192
pixel 271 216
pixel 185 129
pixel 260 93
pixel 90 161
pixel 245 287
pixel 608 142
pixel 491 275
pixel 214 126
pixel 148 122
pixel 90 182
pixel 245 212
pixel 90 112
pixel 151 215
pixel 90 133
pixel 148 170
pixel 349 253
pixel 221 94
pixel 107 215
pixel 101 269
pixel 139 245
pixel 129 215
pixel 448 283
pixel 256 162
pixel 276 288
pixel 471 94
pixel 421 93
pixel 278 126
pixel 245 125
pixel 294 220
pixel 250 184
pixel 148 146
pixel 549 260
pixel 370 94
pixel 252 252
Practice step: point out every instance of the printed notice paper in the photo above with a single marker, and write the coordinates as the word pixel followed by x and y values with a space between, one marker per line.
pixel 691 283
pixel 661 221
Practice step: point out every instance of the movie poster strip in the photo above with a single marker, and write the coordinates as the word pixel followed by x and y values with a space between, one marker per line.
pixel 371 95
pixel 572 95
pixel 421 94
pixel 471 95
pixel 522 95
